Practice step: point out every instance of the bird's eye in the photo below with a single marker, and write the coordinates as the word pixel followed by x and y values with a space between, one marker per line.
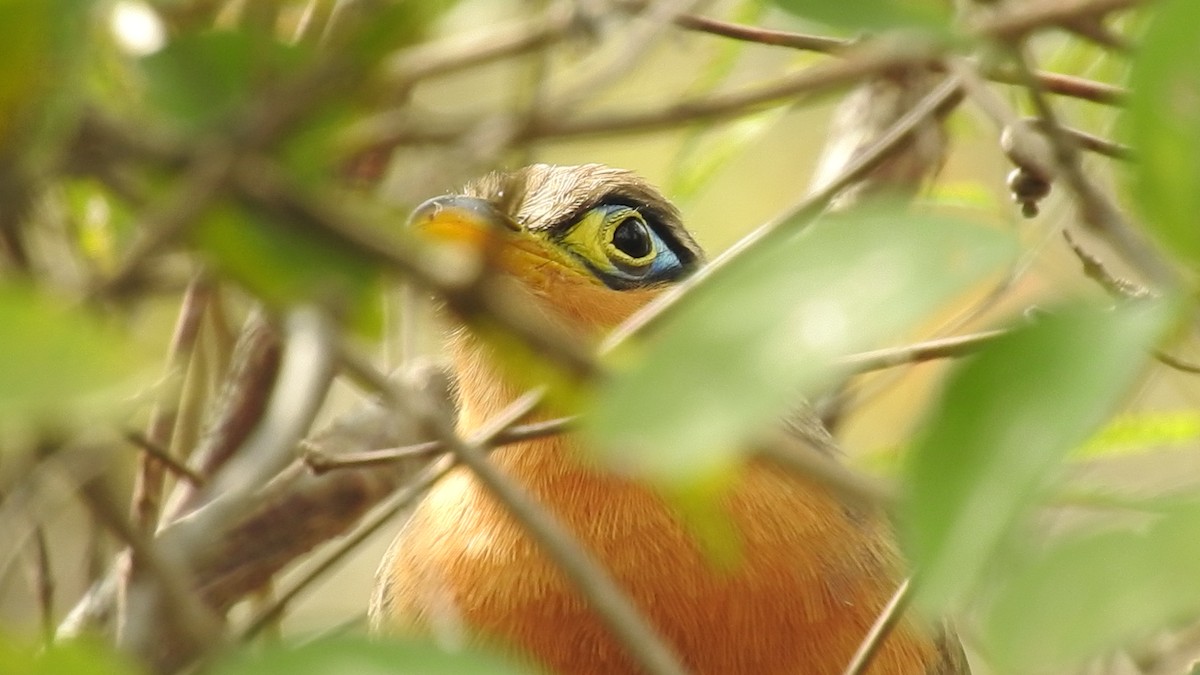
pixel 632 237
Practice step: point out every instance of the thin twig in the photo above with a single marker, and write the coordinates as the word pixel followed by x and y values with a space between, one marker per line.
pixel 43 582
pixel 1055 83
pixel 384 513
pixel 155 443
pixel 850 486
pixel 401 500
pixel 941 348
pixel 888 617
pixel 1095 208
pixel 200 183
pixel 181 470
pixel 457 53
pixel 1013 25
pixel 1096 270
pixel 319 462
pixel 399 128
pixel 184 607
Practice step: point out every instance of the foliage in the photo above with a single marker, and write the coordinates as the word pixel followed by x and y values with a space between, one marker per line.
pixel 239 154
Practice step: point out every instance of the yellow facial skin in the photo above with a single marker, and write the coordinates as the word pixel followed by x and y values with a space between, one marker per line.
pixel 553 271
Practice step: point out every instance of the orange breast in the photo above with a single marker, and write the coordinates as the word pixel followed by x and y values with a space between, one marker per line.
pixel 809 582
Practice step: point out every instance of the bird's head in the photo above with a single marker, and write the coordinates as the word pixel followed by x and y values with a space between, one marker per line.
pixel 591 243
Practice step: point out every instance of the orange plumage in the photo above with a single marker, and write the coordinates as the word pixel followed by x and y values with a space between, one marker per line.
pixel 811 575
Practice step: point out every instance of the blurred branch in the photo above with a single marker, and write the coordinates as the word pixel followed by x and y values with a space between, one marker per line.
pixel 1012 25
pixel 156 443
pixel 239 407
pixel 641 640
pixel 233 549
pixel 941 348
pixel 42 577
pixel 263 183
pixel 319 462
pixel 165 583
pixel 1095 269
pixel 164 458
pixel 400 128
pixel 1055 83
pixel 448 55
pixel 888 617
pixel 1096 210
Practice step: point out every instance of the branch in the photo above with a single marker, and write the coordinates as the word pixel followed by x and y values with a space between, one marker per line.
pixel 156 442
pixel 319 462
pixel 888 617
pixel 399 128
pixel 1095 208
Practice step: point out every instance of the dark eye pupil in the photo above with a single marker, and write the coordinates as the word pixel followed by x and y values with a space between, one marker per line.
pixel 632 238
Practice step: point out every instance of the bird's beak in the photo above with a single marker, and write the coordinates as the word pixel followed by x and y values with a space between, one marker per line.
pixel 466 221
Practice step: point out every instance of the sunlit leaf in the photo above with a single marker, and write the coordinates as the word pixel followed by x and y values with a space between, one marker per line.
pixel 771 327
pixel 1164 125
pixel 1143 432
pixel 1006 419
pixel 361 656
pixel 285 264
pixel 200 79
pixel 77 657
pixel 871 15
pixel 1092 594
pixel 55 358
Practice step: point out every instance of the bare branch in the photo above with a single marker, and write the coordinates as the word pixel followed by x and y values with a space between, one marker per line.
pixel 889 616
pixel 319 462
pixel 148 486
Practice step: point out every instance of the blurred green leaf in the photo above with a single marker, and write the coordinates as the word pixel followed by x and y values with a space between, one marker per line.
pixel 77 657
pixel 286 264
pixel 55 358
pixel 199 79
pixel 1090 595
pixel 770 328
pixel 41 41
pixel 1006 419
pixel 1164 126
pixel 872 15
pixel 1143 432
pixel 707 151
pixel 360 656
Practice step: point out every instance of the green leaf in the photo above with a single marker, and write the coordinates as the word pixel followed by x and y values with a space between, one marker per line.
pixel 41 43
pixel 56 359
pixel 77 657
pixel 1006 419
pixel 872 15
pixel 770 328
pixel 200 79
pixel 1142 432
pixel 1090 595
pixel 361 656
pixel 1164 125
pixel 285 264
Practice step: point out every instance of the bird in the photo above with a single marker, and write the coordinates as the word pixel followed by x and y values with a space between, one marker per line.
pixel 592 244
